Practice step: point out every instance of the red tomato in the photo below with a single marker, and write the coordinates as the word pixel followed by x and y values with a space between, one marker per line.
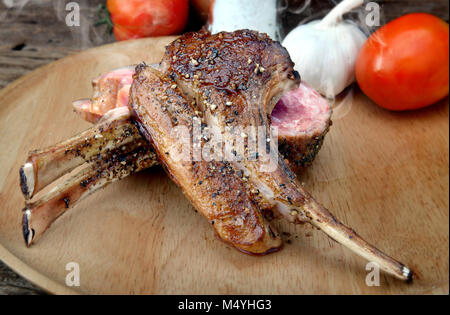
pixel 405 64
pixel 144 18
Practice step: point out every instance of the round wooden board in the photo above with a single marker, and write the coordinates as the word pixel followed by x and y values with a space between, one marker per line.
pixel 385 174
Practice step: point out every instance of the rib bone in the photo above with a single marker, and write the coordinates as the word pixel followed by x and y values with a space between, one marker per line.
pixel 45 166
pixel 116 165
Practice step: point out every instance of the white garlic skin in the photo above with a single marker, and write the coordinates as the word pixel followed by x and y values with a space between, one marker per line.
pixel 325 56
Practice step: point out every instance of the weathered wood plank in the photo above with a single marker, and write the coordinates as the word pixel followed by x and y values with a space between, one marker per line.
pixel 11 283
pixel 37 34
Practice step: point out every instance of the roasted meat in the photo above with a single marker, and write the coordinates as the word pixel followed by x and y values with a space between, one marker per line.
pixel 214 187
pixel 235 80
pixel 302 116
pixel 228 83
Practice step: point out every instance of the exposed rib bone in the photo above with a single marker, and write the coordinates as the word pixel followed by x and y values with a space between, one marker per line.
pixel 45 166
pixel 324 220
pixel 118 164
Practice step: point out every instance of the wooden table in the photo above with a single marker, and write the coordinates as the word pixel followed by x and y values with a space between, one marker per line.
pixel 36 34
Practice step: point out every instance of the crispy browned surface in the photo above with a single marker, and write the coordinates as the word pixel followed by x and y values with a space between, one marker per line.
pixel 235 65
pixel 301 150
pixel 212 187
pixel 249 71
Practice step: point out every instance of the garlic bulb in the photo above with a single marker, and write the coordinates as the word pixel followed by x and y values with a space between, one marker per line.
pixel 325 51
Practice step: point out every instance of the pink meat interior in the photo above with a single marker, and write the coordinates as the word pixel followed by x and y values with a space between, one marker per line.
pixel 301 111
pixel 123 75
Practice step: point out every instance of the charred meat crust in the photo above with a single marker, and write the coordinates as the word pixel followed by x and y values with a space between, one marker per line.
pixel 212 187
pixel 236 77
pixel 300 153
pixel 215 55
pixel 244 67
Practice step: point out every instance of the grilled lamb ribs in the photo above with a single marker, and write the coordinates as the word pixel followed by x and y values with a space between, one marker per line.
pixel 214 188
pixel 235 79
pixel 229 80
pixel 302 116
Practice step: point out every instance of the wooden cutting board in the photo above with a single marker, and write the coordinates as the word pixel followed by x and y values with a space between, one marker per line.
pixel 385 174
